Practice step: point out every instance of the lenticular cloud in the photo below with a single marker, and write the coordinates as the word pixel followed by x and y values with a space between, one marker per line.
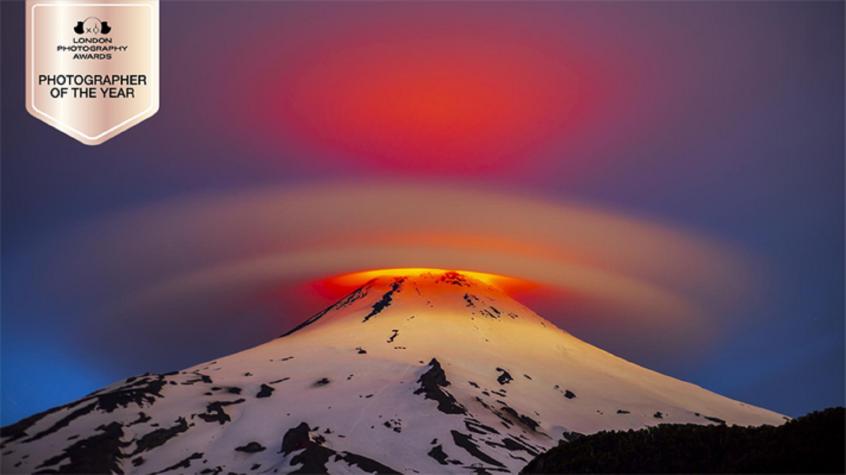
pixel 191 252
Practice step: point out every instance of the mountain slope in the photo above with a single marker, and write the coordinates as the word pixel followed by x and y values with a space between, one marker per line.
pixel 425 373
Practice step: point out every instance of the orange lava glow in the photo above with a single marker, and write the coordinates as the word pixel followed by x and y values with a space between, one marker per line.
pixel 341 284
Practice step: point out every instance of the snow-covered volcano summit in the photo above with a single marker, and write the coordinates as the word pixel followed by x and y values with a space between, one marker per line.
pixel 427 373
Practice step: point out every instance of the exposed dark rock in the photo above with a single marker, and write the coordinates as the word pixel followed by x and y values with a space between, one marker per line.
pixel 313 460
pixel 202 379
pixel 432 383
pixel 185 463
pixel 251 448
pixel 522 418
pixel 466 442
pixel 386 299
pixel 393 336
pixel 453 278
pixel 352 297
pixel 314 455
pixel 394 424
pixel 366 464
pixel 65 421
pixel 504 377
pixel 141 392
pixel 138 390
pixel 438 454
pixel 142 418
pixel 158 437
pixel 215 413
pixel 100 453
pixel 322 382
pixel 265 391
pixel 295 439
pixel 475 426
pixel 622 411
pixel 490 312
pixel 515 445
pixel 569 394
pixel 658 415
pixel 715 419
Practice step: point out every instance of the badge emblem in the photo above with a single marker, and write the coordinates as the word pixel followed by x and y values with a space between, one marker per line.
pixel 92 66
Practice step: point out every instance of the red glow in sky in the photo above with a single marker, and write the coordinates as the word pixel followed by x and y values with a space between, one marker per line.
pixel 430 104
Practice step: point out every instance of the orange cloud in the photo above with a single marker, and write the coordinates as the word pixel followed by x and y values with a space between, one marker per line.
pixel 192 252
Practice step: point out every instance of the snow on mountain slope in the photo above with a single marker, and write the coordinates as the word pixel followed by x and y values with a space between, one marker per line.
pixel 427 373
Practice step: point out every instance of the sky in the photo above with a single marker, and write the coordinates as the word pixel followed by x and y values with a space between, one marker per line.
pixel 668 176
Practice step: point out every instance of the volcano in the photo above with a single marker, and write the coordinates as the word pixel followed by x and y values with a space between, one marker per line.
pixel 430 372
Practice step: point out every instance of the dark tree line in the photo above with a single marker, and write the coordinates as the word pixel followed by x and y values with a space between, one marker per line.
pixel 810 444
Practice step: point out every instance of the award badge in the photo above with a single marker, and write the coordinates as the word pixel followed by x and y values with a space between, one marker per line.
pixel 92 66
